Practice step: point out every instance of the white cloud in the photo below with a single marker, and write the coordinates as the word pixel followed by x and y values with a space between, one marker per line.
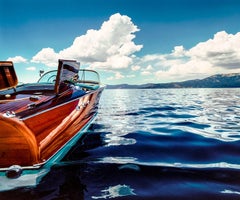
pixel 117 76
pixel 146 73
pixel 110 48
pixel 135 67
pixel 113 62
pixel 46 56
pixel 153 57
pixel 17 59
pixel 221 54
pixel 221 51
pixel 179 51
pixel 31 68
pixel 131 76
pixel 147 70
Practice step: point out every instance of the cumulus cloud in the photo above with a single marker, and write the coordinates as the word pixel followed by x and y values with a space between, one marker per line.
pixel 221 54
pixel 135 67
pixel 110 48
pixel 31 68
pixel 179 51
pixel 46 56
pixel 130 76
pixel 117 76
pixel 17 59
pixel 147 71
pixel 221 51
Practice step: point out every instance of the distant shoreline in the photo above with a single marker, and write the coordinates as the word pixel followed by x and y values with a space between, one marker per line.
pixel 215 81
pixel 130 88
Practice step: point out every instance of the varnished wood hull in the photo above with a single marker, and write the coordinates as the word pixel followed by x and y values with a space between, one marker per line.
pixel 34 139
pixel 17 143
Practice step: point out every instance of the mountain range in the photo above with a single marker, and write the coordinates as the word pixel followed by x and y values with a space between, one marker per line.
pixel 215 81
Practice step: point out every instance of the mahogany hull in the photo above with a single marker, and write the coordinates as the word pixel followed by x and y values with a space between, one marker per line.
pixel 34 139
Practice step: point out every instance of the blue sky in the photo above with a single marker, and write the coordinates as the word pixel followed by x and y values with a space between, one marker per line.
pixel 127 41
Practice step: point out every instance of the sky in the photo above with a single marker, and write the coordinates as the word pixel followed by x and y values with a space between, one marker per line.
pixel 126 41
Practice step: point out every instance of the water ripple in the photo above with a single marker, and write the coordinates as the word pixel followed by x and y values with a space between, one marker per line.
pixel 153 144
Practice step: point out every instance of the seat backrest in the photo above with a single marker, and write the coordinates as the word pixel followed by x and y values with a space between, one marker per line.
pixel 8 77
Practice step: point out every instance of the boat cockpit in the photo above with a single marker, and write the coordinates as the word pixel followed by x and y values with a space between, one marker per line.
pixel 67 81
pixel 52 82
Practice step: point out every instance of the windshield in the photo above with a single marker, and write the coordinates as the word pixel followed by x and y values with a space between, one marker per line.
pixel 49 77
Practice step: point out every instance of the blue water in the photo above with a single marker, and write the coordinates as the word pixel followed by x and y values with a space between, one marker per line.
pixel 152 144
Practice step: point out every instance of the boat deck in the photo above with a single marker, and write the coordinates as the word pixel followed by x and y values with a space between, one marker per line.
pixel 21 101
pixel 25 97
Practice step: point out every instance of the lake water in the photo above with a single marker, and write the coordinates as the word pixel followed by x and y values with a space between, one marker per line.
pixel 152 144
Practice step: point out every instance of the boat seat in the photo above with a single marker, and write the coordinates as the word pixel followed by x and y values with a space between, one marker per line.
pixel 87 86
pixel 8 77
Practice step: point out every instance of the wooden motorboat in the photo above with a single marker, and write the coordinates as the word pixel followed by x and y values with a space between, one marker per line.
pixel 38 120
